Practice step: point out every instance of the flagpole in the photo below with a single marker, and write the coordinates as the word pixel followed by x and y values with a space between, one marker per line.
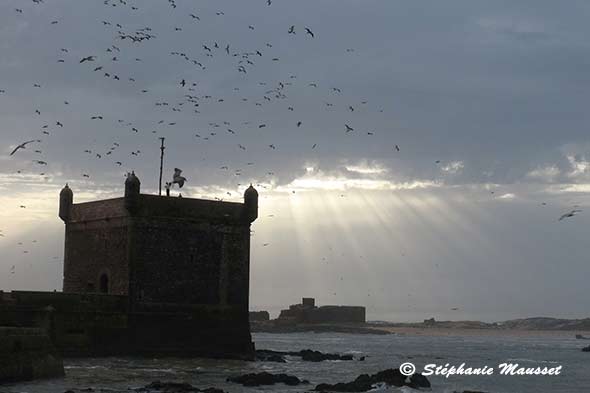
pixel 161 165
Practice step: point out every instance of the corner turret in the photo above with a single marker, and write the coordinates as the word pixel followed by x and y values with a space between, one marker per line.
pixel 251 204
pixel 132 187
pixel 66 200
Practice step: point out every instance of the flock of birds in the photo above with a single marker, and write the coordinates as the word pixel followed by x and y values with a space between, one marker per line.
pixel 186 97
pixel 189 94
pixel 185 93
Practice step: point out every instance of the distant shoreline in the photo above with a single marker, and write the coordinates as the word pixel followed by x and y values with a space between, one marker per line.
pixel 544 327
pixel 449 331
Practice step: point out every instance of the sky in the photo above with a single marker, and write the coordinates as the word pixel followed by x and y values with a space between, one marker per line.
pixel 411 156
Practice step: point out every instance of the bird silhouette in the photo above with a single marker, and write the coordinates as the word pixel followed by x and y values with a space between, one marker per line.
pixel 569 214
pixel 177 178
pixel 87 58
pixel 23 145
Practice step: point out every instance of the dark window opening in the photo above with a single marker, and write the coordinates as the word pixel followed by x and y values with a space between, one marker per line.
pixel 104 283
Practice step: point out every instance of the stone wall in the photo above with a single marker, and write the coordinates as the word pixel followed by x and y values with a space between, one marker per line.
pixel 338 314
pixel 103 325
pixel 175 261
pixel 93 249
pixel 77 324
pixel 27 354
pixel 259 316
pixel 306 313
pixel 189 261
pixel 168 250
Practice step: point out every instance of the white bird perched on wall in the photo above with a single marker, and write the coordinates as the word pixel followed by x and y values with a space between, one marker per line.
pixel 177 179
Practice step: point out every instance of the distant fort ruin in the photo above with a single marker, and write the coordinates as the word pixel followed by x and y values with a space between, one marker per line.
pixel 147 274
pixel 307 317
pixel 308 312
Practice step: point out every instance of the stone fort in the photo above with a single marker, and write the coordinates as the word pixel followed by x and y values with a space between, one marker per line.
pixel 147 274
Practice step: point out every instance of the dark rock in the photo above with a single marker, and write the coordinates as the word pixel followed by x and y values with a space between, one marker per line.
pixel 169 387
pixel 265 378
pixel 275 358
pixel 175 387
pixel 315 356
pixel 306 355
pixel 418 381
pixel 155 387
pixel 586 349
pixel 390 376
pixel 469 391
pixel 269 356
pixel 365 382
pixel 362 358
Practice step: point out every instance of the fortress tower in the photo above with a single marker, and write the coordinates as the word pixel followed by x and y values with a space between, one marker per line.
pixel 181 265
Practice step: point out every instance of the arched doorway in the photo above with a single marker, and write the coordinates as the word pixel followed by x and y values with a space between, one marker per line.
pixel 104 283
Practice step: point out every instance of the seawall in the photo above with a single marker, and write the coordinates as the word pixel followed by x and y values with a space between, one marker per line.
pixel 27 354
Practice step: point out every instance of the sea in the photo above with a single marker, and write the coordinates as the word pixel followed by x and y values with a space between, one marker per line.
pixel 380 351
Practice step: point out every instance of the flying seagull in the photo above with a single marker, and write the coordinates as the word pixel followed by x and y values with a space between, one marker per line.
pixel 569 214
pixel 23 145
pixel 88 58
pixel 176 178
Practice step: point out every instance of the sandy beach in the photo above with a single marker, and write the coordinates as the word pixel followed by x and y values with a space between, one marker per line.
pixel 420 331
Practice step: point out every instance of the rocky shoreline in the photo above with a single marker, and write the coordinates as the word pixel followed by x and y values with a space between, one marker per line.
pixel 363 383
pixel 274 327
pixel 175 387
pixel 375 327
pixel 307 355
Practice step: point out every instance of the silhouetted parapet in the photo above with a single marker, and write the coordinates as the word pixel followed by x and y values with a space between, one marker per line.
pixel 147 206
pixel 251 204
pixel 132 187
pixel 66 200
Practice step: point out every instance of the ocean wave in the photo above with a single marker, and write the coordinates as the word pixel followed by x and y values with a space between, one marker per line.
pixel 532 361
pixel 85 367
pixel 158 370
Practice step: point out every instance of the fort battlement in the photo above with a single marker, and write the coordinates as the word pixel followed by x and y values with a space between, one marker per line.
pixel 161 206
